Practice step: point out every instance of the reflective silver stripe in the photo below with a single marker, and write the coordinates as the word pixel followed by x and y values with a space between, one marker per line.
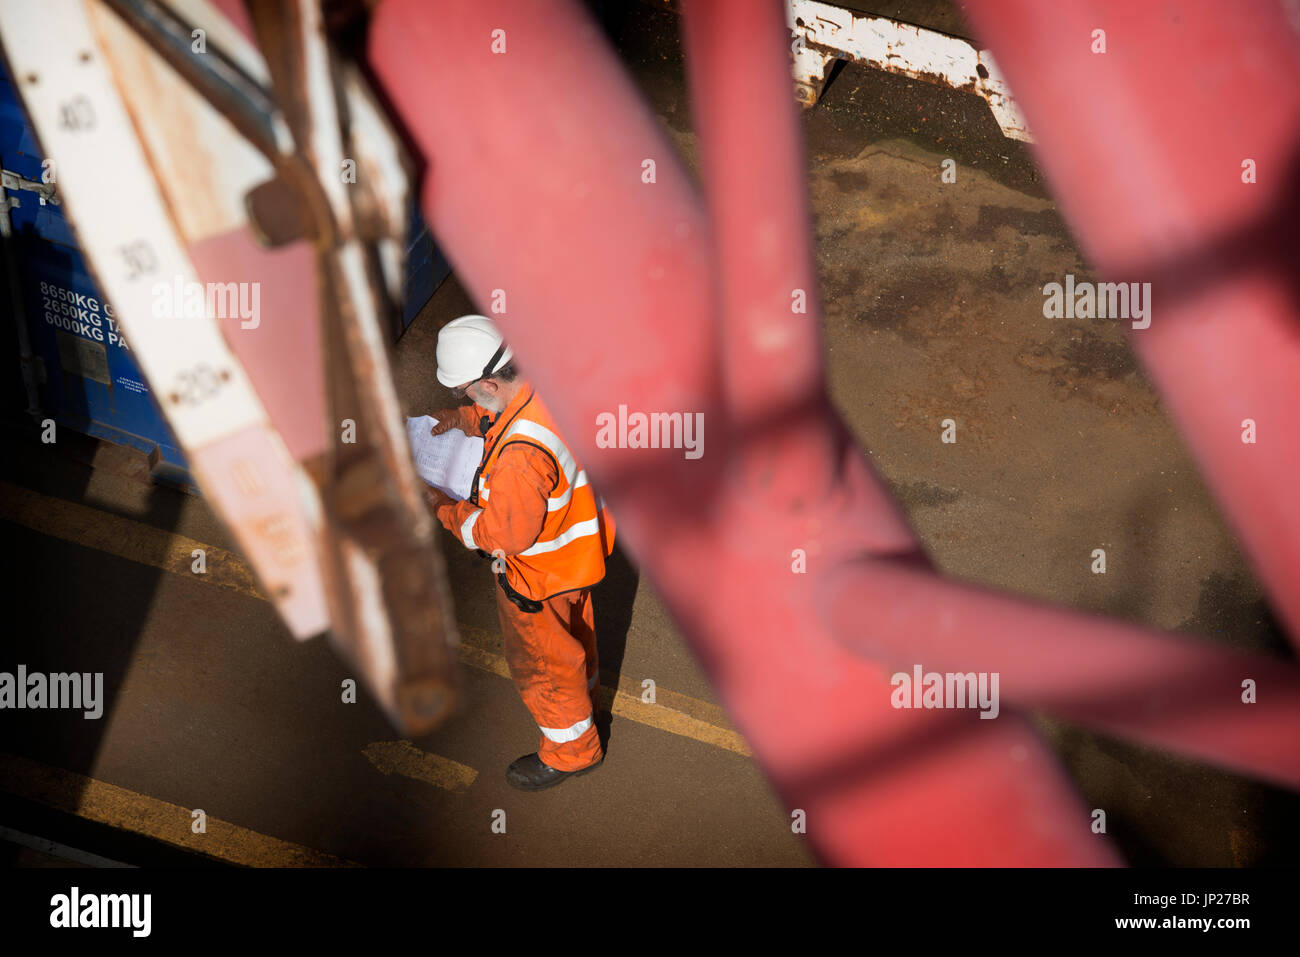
pixel 561 500
pixel 467 528
pixel 581 530
pixel 548 439
pixel 572 733
pixel 593 680
pixel 523 427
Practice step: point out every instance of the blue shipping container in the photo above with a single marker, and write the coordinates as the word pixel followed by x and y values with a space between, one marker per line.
pixel 87 378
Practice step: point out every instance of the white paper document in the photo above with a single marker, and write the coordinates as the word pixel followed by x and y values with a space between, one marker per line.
pixel 448 461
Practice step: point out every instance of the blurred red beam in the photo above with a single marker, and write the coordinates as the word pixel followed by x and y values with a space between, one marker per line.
pixel 1144 147
pixel 1075 666
pixel 538 188
pixel 1160 689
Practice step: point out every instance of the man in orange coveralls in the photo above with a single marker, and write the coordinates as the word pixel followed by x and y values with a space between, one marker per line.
pixel 533 512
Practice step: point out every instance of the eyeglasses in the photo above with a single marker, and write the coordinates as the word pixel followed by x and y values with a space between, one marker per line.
pixel 461 391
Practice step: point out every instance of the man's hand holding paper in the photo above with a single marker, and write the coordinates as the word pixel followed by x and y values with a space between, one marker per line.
pixel 447 459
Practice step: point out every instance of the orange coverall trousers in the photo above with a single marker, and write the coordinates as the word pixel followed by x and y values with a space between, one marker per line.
pixel 552 658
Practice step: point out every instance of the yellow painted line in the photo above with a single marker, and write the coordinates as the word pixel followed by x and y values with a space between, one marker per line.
pixel 673 720
pixel 672 712
pixel 124 537
pixel 675 713
pixel 128 810
pixel 404 758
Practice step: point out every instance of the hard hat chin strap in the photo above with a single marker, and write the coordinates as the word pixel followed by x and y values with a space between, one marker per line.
pixel 488 369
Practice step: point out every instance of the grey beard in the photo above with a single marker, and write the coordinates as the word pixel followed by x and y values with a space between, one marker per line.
pixel 495 406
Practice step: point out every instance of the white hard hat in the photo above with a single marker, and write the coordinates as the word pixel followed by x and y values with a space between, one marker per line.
pixel 470 348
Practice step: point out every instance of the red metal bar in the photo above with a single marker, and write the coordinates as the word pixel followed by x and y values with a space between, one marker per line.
pixel 1077 666
pixel 1159 689
pixel 536 189
pixel 753 169
pixel 1143 146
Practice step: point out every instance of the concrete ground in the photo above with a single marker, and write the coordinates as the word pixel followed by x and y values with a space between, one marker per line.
pixel 933 310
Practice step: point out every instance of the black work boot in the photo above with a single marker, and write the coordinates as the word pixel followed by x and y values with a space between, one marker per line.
pixel 530 773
